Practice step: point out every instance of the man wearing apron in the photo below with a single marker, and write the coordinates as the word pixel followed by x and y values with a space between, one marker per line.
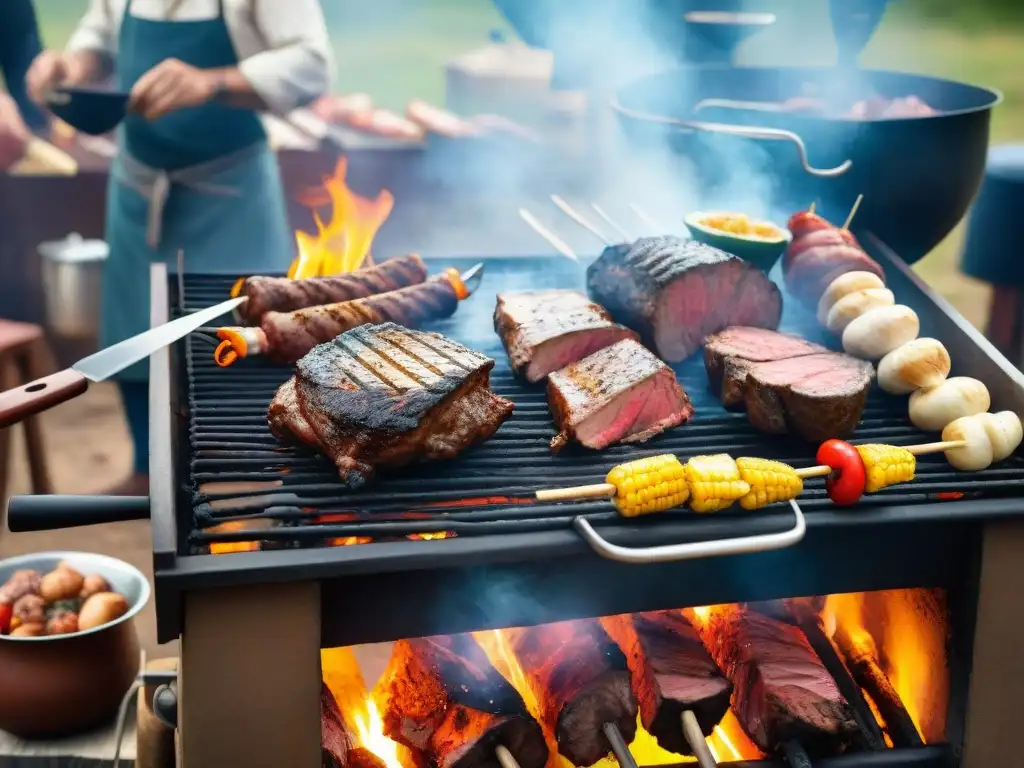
pixel 195 174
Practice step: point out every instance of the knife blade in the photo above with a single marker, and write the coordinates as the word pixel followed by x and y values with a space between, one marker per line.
pixel 27 400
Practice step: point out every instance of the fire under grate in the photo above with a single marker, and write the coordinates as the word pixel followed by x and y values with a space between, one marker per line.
pixel 238 472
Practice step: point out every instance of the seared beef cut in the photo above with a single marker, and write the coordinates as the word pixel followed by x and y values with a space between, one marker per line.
pixel 786 383
pixel 580 678
pixel 546 330
pixel 781 690
pixel 385 396
pixel 290 335
pixel 619 394
pixel 279 294
pixel 814 259
pixel 442 698
pixel 671 673
pixel 675 292
pixel 338 748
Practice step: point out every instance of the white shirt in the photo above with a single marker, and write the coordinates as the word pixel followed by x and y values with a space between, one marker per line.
pixel 282 45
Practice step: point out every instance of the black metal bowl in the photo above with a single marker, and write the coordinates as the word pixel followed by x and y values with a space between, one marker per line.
pixel 918 175
pixel 91 110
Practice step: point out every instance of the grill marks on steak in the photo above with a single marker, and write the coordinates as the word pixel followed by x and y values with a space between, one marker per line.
pixel 621 393
pixel 788 384
pixel 441 697
pixel 580 678
pixel 290 335
pixel 279 294
pixel 543 331
pixel 675 292
pixel 671 672
pixel 386 396
pixel 781 690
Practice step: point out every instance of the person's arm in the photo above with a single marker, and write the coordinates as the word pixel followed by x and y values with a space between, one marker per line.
pixel 89 55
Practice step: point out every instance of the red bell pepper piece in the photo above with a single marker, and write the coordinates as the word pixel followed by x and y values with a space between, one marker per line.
pixel 848 480
pixel 6 613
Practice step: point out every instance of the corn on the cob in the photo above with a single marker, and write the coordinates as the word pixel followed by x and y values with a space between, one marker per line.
pixel 648 485
pixel 714 482
pixel 886 465
pixel 770 482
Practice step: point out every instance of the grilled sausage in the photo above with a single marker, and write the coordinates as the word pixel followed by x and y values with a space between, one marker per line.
pixel 278 294
pixel 291 335
pixel 818 256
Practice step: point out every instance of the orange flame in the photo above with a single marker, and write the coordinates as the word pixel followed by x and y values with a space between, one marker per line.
pixel 227 547
pixel 343 243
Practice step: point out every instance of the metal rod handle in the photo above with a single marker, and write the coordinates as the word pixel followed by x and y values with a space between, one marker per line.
pixel 694 550
pixel 618 745
pixel 48 513
pixel 748 132
pixel 695 738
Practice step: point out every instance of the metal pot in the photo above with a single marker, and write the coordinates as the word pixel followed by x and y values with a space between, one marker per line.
pixel 64 684
pixel 72 272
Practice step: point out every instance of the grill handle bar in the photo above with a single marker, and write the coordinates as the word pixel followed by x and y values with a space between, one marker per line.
pixel 743 545
pixel 52 512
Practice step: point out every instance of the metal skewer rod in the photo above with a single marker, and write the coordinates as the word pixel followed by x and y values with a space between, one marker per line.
pixel 553 240
pixel 607 490
pixel 619 747
pixel 796 755
pixel 608 220
pixel 695 738
pixel 505 758
pixel 569 211
pixel 645 218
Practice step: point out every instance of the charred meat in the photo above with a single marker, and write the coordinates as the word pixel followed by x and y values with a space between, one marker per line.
pixel 546 330
pixel 675 292
pixel 619 394
pixel 788 384
pixel 580 677
pixel 279 294
pixel 386 396
pixel 442 698
pixel 781 690
pixel 671 673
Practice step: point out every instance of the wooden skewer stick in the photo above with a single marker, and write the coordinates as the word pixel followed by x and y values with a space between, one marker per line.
pixel 645 218
pixel 607 490
pixel 695 738
pixel 608 220
pixel 853 212
pixel 505 758
pixel 577 217
pixel 553 240
pixel 810 208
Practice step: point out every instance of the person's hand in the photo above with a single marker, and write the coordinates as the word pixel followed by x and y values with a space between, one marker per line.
pixel 49 69
pixel 169 86
pixel 14 134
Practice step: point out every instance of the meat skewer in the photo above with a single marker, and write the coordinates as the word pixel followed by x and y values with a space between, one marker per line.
pixel 682 694
pixel 581 679
pixel 285 337
pixel 279 294
pixel 441 697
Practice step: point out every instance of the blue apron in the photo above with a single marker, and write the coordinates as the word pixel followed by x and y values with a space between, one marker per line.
pixel 199 180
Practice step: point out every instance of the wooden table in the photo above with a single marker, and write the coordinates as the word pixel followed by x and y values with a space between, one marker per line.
pixel 92 750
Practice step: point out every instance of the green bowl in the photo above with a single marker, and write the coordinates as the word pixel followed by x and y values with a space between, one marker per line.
pixel 761 252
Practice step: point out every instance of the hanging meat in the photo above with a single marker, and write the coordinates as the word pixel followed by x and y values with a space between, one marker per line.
pixel 385 396
pixel 580 677
pixel 442 698
pixel 279 294
pixel 675 292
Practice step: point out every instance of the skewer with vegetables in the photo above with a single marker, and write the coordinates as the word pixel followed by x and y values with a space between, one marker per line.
pixel 715 482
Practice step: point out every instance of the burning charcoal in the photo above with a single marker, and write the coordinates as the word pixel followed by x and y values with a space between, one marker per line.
pixel 442 698
pixel 337 746
pixel 781 690
pixel 581 679
pixel 543 331
pixel 671 673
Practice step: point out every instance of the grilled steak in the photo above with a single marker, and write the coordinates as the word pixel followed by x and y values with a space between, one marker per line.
pixel 781 690
pixel 786 383
pixel 286 420
pixel 279 294
pixel 671 673
pixel 619 394
pixel 290 335
pixel 546 330
pixel 675 292
pixel 385 396
pixel 813 260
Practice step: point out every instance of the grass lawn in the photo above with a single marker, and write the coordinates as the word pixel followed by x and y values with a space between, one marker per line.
pixel 396 49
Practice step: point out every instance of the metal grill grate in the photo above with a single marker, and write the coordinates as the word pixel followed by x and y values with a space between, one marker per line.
pixel 239 471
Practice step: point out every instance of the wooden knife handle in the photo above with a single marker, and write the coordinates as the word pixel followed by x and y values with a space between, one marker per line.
pixel 42 394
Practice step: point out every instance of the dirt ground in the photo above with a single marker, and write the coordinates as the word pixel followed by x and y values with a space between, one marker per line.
pixel 89 450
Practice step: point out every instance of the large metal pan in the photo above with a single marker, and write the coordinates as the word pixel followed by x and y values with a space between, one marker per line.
pixel 918 175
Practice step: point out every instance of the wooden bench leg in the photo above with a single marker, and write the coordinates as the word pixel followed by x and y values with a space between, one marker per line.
pixel 38 466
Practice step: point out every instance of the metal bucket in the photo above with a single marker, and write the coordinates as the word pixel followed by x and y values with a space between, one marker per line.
pixel 72 270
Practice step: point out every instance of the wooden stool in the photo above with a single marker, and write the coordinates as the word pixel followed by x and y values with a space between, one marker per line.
pixel 24 357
